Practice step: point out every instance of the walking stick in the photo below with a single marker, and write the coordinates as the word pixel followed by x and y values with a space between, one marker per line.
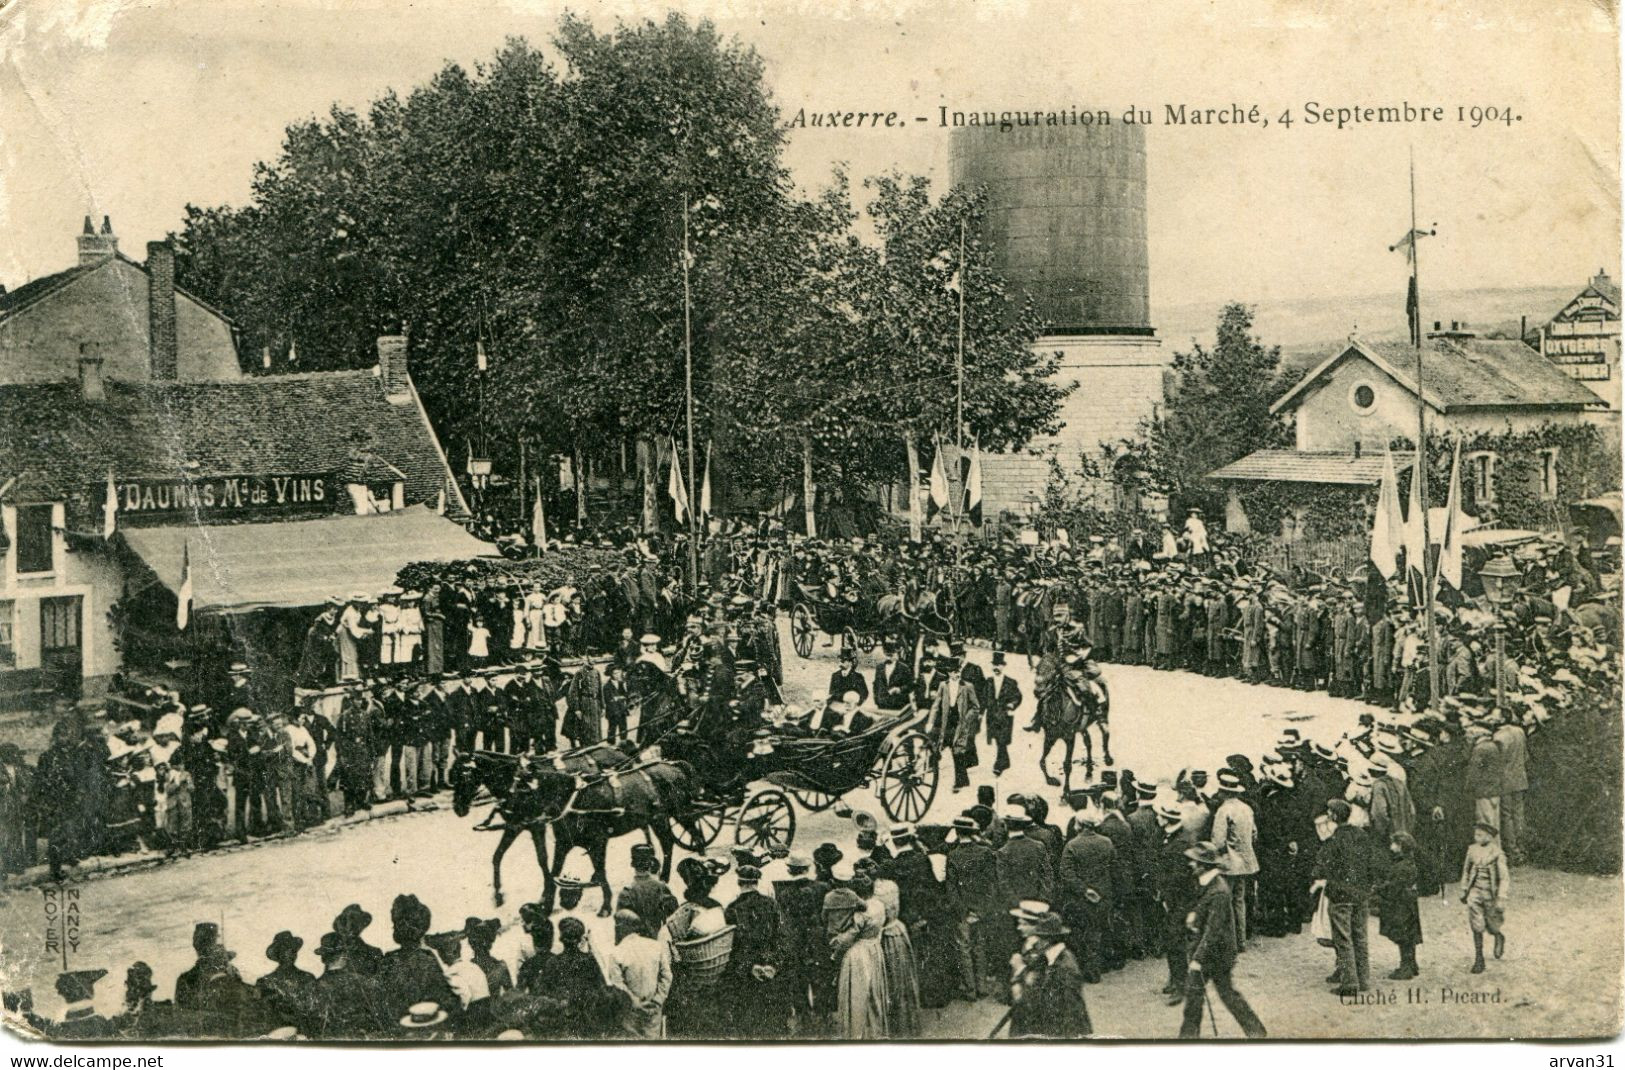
pixel 1212 1018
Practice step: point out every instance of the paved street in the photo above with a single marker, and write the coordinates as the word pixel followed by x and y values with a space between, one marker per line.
pixel 1562 974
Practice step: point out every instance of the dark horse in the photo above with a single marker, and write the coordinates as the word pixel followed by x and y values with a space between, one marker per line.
pixel 584 807
pixel 1071 697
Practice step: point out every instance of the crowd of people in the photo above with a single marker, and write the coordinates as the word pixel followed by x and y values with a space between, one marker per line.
pixel 1313 833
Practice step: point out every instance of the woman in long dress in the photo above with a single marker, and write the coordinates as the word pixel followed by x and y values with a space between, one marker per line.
pixel 902 971
pixel 854 937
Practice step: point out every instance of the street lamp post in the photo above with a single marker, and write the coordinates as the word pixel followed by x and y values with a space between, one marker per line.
pixel 1497 576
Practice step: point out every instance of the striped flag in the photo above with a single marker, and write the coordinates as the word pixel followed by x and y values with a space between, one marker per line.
pixel 538 520
pixel 110 508
pixel 973 486
pixel 1387 527
pixel 705 486
pixel 1415 538
pixel 479 355
pixel 183 593
pixel 675 487
pixel 1455 526
pixel 937 500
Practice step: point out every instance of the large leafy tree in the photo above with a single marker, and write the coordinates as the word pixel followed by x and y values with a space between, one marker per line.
pixel 1217 410
pixel 538 208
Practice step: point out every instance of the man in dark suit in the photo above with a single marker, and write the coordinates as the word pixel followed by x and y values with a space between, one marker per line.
pixel 848 678
pixel 973 880
pixel 1085 890
pixel 926 684
pixel 894 683
pixel 1004 698
pixel 840 716
pixel 1213 947
pixel 617 702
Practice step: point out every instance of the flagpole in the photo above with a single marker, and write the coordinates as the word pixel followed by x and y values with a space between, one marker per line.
pixel 688 395
pixel 1421 454
pixel 959 401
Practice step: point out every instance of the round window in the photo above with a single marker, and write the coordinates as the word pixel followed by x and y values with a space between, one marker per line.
pixel 1364 397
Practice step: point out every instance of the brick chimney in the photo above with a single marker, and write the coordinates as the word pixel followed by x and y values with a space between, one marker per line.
pixel 161 311
pixel 392 366
pixel 90 374
pixel 93 246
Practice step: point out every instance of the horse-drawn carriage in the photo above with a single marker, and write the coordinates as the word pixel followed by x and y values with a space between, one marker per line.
pixel 689 790
pixel 755 793
pixel 862 623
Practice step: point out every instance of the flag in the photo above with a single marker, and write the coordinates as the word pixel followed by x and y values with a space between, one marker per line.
pixel 675 487
pixel 705 485
pixel 110 508
pixel 938 499
pixel 973 486
pixel 479 354
pixel 538 520
pixel 469 468
pixel 183 593
pixel 265 358
pixel 293 352
pixel 1408 244
pixel 1387 528
pixel 1415 542
pixel 1455 526
pixel 440 502
pixel 1413 313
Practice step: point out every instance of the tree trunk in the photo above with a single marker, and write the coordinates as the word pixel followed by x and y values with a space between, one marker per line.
pixel 915 525
pixel 649 470
pixel 809 490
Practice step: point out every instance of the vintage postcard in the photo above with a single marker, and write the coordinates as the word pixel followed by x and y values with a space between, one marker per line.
pixel 657 520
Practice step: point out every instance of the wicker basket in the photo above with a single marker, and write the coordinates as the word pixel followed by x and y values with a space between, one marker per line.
pixel 703 961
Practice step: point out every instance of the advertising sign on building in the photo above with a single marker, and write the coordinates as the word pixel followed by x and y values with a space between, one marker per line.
pixel 223 497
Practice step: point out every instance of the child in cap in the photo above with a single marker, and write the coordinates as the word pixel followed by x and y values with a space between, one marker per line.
pixel 1485 882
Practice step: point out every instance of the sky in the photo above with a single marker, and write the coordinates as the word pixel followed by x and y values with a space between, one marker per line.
pixel 133 108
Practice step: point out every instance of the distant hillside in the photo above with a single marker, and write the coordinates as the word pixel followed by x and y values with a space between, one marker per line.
pixel 1306 329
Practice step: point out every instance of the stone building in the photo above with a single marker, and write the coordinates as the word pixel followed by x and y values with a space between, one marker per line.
pixel 130 440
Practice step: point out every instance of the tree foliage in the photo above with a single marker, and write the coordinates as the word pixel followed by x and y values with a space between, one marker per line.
pixel 535 207
pixel 1217 410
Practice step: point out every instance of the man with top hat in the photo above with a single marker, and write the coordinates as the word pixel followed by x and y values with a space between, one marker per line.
pixel 1212 954
pixel 954 721
pixel 847 678
pixel 972 880
pixel 1235 830
pixel 894 683
pixel 1145 838
pixel 1004 698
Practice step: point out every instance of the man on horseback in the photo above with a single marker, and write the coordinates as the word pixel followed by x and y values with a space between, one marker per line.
pixel 1071 695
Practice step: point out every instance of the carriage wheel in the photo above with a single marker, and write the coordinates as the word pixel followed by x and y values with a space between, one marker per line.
pixel 766 821
pixel 803 630
pixel 908 778
pixel 709 824
pixel 813 800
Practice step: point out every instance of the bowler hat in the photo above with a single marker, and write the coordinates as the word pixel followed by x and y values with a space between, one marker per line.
pixel 284 947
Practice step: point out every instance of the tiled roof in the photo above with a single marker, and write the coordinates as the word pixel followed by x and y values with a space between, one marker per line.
pixel 56 441
pixel 1469 373
pixel 13 301
pixel 1307 466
